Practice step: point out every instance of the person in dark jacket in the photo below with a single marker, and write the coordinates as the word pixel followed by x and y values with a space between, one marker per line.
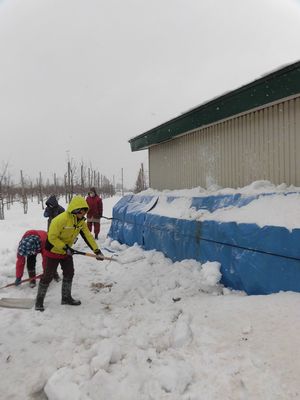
pixel 32 243
pixel 95 211
pixel 63 231
pixel 52 210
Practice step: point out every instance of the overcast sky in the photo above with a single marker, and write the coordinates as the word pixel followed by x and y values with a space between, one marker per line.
pixel 79 78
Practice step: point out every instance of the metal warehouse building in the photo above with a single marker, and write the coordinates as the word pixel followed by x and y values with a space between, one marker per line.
pixel 249 134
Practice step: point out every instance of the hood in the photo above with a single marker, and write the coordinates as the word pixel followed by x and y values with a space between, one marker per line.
pixel 77 202
pixel 52 201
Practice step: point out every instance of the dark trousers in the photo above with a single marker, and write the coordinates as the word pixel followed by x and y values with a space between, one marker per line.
pixel 31 261
pixel 67 266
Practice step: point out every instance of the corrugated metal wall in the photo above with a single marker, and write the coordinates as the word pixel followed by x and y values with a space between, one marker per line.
pixel 262 144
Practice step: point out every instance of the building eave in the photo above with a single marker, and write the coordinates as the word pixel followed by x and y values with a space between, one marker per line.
pixel 279 84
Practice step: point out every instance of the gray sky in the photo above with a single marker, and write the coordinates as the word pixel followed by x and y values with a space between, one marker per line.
pixel 79 78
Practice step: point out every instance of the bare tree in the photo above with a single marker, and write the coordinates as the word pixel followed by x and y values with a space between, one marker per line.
pixel 140 183
pixel 24 194
pixel 2 178
pixel 40 190
pixel 71 175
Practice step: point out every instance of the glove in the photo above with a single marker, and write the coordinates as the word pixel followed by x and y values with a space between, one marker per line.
pixel 69 251
pixel 18 281
pixel 99 255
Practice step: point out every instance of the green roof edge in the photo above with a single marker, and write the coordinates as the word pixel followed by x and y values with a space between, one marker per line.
pixel 277 85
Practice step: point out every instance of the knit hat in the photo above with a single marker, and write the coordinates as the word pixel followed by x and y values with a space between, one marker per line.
pixel 30 245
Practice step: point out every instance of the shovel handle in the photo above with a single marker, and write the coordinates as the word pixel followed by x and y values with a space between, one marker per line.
pixel 93 255
pixel 22 281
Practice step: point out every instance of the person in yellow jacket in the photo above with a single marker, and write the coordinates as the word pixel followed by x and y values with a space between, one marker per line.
pixel 62 233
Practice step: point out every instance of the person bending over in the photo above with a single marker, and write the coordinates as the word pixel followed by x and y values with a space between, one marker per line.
pixel 32 243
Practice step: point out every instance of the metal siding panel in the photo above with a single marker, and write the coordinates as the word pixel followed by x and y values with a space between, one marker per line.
pixel 213 155
pixel 242 150
pixel 297 139
pixel 272 140
pixel 225 146
pixel 258 141
pixel 197 166
pixel 221 137
pixel 260 145
pixel 286 142
pixel 238 150
pixel 264 115
pixel 280 143
pixel 235 150
pixel 247 148
pixel 216 145
pixel 185 162
pixel 224 155
pixel 192 156
pixel 266 144
pixel 274 149
pixel 292 142
pixel 202 157
pixel 228 155
pixel 252 149
pixel 229 152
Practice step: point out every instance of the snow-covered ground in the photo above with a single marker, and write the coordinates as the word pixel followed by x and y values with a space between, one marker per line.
pixel 160 330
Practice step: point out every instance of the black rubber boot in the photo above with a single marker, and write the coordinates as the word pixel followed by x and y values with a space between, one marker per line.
pixel 39 303
pixel 66 297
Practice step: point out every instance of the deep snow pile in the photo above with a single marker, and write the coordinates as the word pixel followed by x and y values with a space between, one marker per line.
pixel 147 329
pixel 281 207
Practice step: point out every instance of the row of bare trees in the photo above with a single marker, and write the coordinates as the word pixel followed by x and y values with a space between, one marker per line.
pixel 76 180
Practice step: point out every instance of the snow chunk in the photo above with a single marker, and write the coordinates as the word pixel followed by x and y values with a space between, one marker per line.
pixel 182 334
pixel 174 377
pixel 61 386
pixel 107 353
pixel 210 274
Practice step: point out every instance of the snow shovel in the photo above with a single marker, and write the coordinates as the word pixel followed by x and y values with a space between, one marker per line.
pixel 93 255
pixel 22 303
pixel 22 281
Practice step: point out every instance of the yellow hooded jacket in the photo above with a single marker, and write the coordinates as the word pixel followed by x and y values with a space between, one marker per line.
pixel 65 228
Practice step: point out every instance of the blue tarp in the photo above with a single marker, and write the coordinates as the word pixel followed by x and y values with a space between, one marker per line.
pixel 256 260
pixel 128 218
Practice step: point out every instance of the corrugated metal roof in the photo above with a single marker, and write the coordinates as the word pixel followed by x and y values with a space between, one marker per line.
pixel 277 85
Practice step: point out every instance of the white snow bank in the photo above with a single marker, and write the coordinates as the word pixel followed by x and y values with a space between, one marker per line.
pixel 279 209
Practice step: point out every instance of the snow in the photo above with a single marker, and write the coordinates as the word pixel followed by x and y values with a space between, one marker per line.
pixel 150 329
pixel 276 210
pixel 281 207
